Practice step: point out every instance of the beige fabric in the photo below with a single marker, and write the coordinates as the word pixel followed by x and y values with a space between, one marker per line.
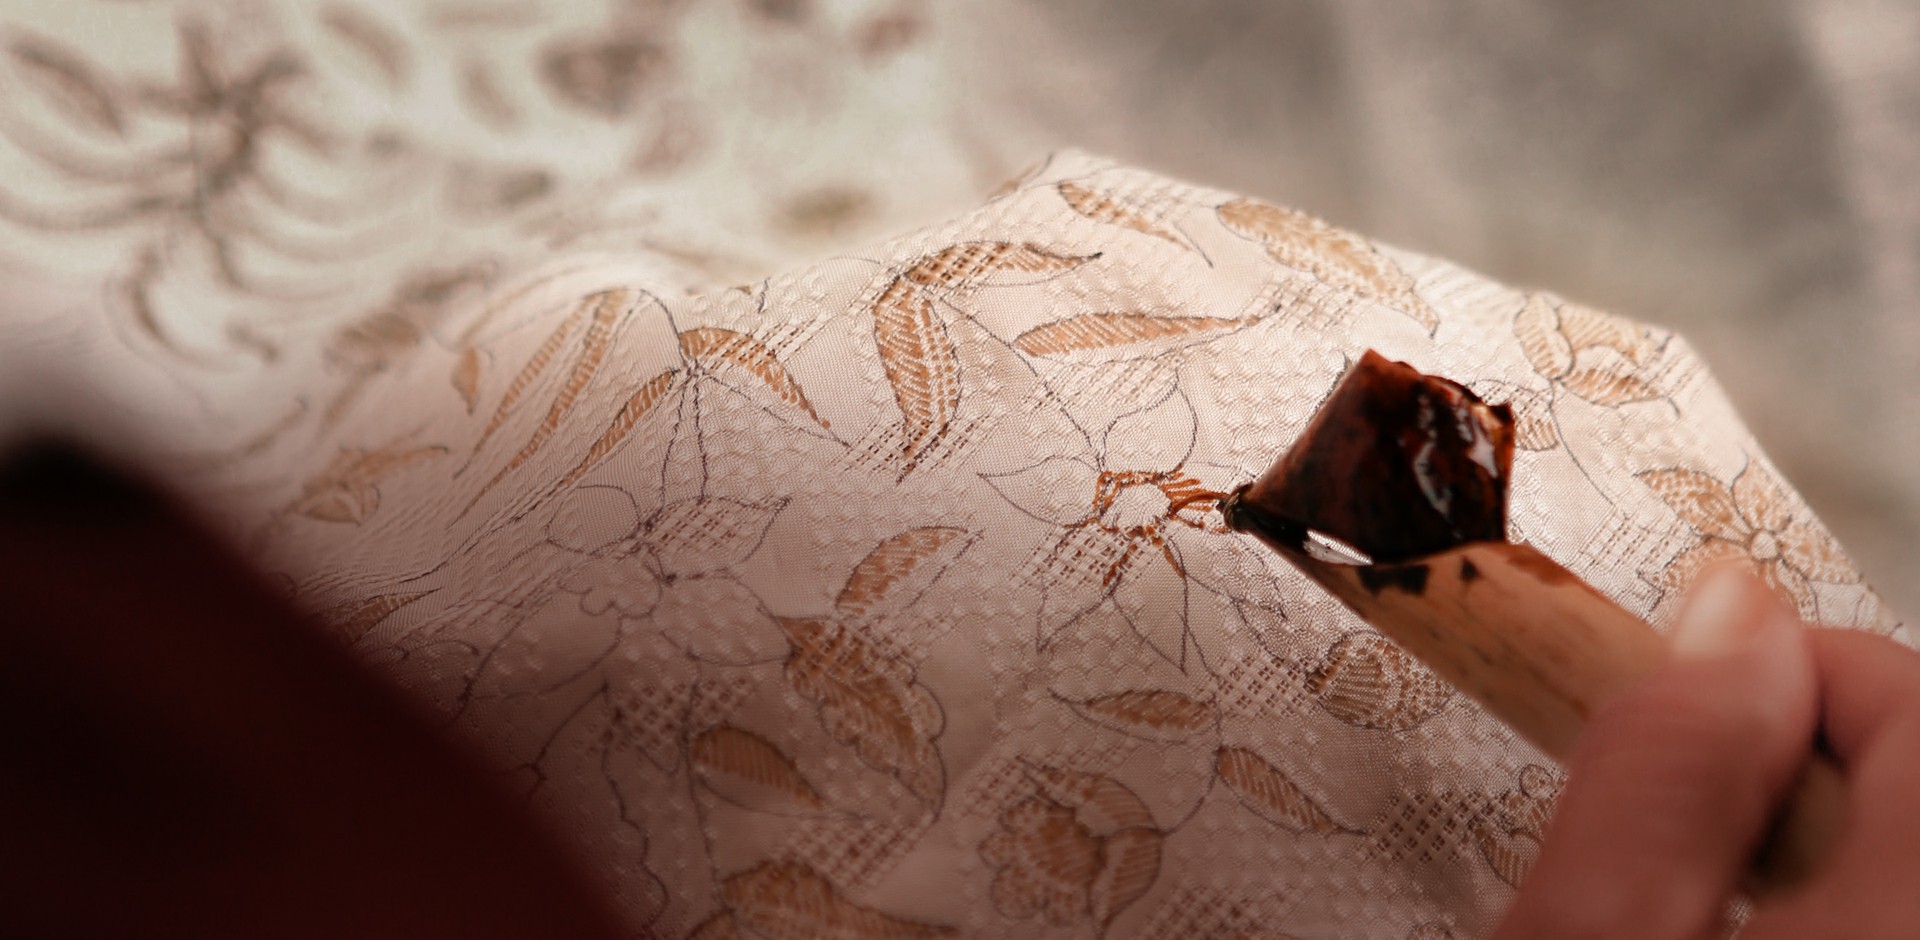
pixel 1743 175
pixel 852 600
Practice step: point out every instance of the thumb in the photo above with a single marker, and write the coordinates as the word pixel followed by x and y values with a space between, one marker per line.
pixel 1673 784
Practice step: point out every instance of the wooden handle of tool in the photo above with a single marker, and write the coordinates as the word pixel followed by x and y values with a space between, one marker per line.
pixel 1542 650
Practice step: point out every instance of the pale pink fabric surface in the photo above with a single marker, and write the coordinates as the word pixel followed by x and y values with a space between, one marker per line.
pixel 851 600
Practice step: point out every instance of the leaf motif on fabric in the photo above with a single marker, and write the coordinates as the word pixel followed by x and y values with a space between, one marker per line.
pixel 1762 499
pixel 352 620
pixel 1100 803
pixel 708 533
pixel 609 307
pixel 70 83
pixel 900 568
pixel 712 347
pixel 1607 387
pixel 961 265
pixel 1806 545
pixel 748 770
pixel 786 900
pixel 1111 209
pixel 1368 681
pixel 1148 713
pixel 1510 855
pixel 528 374
pixel 346 490
pixel 916 351
pixel 1703 502
pixel 870 702
pixel 1144 334
pixel 1757 521
pixel 1130 863
pixel 1337 257
pixel 1268 792
pixel 921 366
pixel 638 405
pixel 466 377
pixel 1537 327
pixel 1533 425
pixel 1587 328
pixel 347 501
pixel 1535 431
pixel 1141 442
pixel 1508 834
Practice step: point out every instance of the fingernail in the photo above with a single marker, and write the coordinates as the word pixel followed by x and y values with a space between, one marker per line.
pixel 1719 616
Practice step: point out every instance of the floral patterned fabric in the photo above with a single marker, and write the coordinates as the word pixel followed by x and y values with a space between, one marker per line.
pixel 865 599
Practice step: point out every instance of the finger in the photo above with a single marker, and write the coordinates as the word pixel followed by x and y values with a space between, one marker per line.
pixel 1673 784
pixel 176 741
pixel 1870 692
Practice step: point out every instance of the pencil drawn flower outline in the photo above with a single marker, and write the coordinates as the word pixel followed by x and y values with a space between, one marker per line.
pixel 1131 523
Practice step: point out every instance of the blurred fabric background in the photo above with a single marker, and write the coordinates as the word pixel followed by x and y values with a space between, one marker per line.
pixel 1740 173
pixel 1743 174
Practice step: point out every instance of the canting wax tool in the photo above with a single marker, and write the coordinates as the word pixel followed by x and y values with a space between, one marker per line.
pixel 1394 500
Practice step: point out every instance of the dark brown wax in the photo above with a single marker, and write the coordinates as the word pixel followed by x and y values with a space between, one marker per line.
pixel 1396 463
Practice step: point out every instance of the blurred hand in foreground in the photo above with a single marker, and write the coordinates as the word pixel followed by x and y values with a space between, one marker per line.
pixel 1674 785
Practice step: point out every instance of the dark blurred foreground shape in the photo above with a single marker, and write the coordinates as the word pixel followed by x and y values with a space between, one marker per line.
pixel 182 755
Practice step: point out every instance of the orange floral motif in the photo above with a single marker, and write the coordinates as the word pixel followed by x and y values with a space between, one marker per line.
pixel 1046 862
pixel 1368 681
pixel 1755 520
pixel 1592 354
pixel 1084 847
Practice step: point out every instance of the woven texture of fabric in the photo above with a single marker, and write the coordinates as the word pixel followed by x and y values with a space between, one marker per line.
pixel 859 600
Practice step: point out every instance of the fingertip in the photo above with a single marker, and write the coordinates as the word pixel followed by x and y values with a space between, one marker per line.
pixel 1673 784
pixel 1736 623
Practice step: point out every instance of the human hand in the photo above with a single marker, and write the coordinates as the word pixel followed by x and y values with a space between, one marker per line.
pixel 1674 785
